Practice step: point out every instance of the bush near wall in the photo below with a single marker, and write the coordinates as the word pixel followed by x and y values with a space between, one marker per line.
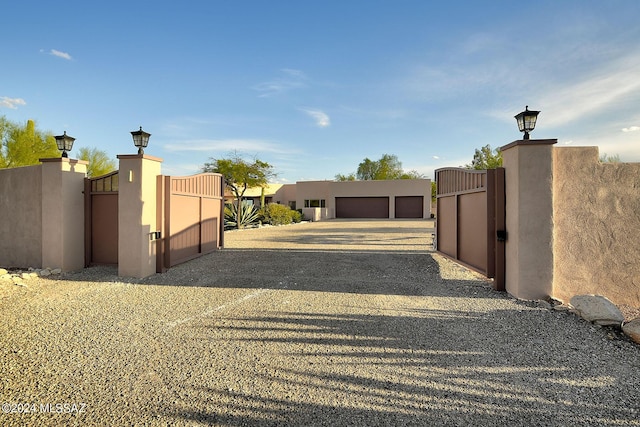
pixel 276 214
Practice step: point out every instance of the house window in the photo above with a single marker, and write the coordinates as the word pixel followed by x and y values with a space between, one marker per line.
pixel 314 203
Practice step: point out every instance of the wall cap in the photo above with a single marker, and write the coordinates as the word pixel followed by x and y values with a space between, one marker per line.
pixel 63 160
pixel 139 156
pixel 529 142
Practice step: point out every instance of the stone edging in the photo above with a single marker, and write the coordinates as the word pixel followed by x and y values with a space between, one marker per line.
pixel 598 310
pixel 18 277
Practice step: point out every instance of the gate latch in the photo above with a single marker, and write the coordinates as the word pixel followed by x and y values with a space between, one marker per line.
pixel 501 235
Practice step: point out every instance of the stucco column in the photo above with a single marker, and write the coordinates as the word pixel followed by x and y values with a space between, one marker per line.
pixel 528 168
pixel 137 214
pixel 63 213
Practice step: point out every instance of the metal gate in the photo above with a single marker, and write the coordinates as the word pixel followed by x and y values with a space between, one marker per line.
pixel 101 219
pixel 470 219
pixel 190 213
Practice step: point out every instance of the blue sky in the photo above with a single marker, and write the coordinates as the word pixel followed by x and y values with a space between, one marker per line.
pixel 315 87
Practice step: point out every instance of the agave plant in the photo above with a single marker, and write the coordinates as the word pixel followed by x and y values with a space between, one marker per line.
pixel 247 215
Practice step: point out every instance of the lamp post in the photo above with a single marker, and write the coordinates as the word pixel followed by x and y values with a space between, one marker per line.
pixel 527 121
pixel 64 143
pixel 140 139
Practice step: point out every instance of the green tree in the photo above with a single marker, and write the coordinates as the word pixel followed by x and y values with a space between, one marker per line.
pixel 387 167
pixel 99 161
pixel 24 145
pixel 412 174
pixel 486 158
pixel 349 177
pixel 240 174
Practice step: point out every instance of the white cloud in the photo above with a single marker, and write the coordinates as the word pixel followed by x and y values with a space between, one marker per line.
pixel 60 54
pixel 589 96
pixel 436 157
pixel 11 102
pixel 631 129
pixel 244 145
pixel 292 79
pixel 321 118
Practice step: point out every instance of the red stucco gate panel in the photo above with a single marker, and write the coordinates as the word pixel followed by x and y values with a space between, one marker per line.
pixel 101 220
pixel 190 211
pixel 470 219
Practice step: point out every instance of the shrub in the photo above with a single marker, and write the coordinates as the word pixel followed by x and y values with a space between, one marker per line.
pixel 276 214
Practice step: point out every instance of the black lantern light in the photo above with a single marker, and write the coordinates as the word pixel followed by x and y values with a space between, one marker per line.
pixel 527 121
pixel 64 143
pixel 140 139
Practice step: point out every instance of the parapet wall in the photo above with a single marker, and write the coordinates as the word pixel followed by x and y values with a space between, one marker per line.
pixel 596 211
pixel 21 216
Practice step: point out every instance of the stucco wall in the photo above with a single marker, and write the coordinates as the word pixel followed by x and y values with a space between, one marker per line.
pixel 63 213
pixel 597 226
pixel 137 191
pixel 21 217
pixel 529 218
pixel 286 194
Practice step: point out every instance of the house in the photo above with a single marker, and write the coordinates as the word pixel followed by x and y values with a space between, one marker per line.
pixel 402 198
pixel 254 195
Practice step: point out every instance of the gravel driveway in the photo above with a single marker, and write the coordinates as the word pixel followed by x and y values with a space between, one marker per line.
pixel 336 323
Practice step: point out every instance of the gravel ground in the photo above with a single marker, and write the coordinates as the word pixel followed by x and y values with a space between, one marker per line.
pixel 351 323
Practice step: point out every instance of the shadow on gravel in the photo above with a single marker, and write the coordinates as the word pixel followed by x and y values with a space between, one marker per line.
pixel 428 367
pixel 364 272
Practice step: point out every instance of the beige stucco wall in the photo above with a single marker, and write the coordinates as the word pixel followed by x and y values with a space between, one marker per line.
pixel 597 226
pixel 21 217
pixel 42 212
pixel 329 190
pixel 63 213
pixel 529 218
pixel 286 194
pixel 137 198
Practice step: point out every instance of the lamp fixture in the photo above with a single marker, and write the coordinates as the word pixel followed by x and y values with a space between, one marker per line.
pixel 527 121
pixel 64 143
pixel 140 139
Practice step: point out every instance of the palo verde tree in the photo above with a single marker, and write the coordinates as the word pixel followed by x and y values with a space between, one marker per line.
pixel 24 145
pixel 387 167
pixel 486 158
pixel 240 174
pixel 99 161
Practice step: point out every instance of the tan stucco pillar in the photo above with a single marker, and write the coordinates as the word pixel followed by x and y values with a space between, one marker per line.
pixel 528 168
pixel 137 214
pixel 63 213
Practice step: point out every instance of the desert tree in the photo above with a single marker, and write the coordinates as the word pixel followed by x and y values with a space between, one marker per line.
pixel 486 158
pixel 386 168
pixel 24 145
pixel 239 175
pixel 99 161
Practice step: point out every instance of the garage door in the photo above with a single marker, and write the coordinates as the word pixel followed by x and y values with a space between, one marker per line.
pixel 409 207
pixel 362 207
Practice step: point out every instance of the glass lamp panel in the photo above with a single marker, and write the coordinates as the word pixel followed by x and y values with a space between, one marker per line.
pixel 530 122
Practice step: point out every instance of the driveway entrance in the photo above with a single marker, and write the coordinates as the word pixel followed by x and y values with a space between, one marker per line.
pixel 329 323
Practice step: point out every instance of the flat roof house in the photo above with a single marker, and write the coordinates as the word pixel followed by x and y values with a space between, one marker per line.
pixel 402 198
